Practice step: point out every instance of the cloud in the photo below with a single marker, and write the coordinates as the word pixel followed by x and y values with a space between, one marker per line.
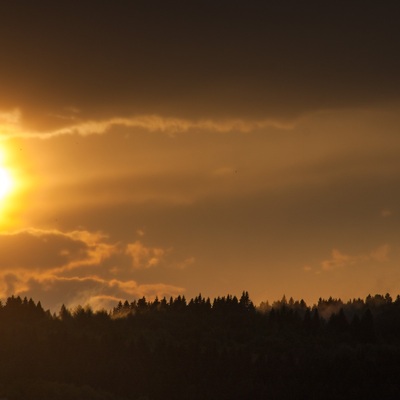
pixel 36 249
pixel 143 256
pixel 79 267
pixel 61 251
pixel 11 124
pixel 340 260
pixel 11 283
pixel 170 125
pixel 95 291
pixel 124 71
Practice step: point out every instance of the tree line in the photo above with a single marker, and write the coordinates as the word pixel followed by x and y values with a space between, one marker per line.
pixel 225 348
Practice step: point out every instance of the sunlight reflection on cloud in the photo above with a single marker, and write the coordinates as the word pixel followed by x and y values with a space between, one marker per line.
pixel 52 259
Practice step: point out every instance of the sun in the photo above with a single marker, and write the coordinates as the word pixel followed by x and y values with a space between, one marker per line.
pixel 14 186
pixel 6 183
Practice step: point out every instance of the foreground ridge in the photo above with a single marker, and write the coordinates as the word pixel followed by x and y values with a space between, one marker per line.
pixel 201 349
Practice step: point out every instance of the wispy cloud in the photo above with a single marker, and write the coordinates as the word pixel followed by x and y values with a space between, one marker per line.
pixel 339 259
pixel 144 256
pixel 11 125
pixel 170 125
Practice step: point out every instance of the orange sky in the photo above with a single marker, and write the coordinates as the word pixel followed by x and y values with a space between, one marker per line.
pixel 167 148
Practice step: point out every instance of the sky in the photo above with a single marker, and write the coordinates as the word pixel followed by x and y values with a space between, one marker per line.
pixel 165 148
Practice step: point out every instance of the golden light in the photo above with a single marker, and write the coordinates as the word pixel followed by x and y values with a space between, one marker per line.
pixel 9 187
pixel 5 182
pixel 17 184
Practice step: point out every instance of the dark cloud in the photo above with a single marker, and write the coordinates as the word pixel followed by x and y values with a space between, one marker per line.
pixel 37 249
pixel 195 59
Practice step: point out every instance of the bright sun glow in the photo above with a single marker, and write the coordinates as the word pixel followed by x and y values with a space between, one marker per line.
pixel 5 182
pixel 13 185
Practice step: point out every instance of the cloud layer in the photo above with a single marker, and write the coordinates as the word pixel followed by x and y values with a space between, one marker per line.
pixel 196 61
pixel 78 267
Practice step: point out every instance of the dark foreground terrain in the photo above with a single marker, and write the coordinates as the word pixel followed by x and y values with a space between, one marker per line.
pixel 202 349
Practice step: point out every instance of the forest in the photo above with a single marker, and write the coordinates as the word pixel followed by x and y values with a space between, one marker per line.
pixel 225 348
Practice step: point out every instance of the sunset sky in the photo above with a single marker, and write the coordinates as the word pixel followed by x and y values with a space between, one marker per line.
pixel 177 147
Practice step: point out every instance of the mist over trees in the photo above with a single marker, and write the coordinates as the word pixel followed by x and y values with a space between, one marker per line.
pixel 225 348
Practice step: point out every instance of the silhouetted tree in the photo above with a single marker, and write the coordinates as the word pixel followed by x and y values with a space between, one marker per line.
pixel 367 328
pixel 197 350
